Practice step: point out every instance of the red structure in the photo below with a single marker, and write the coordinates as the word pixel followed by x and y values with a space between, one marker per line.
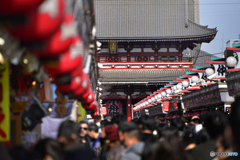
pixel 140 54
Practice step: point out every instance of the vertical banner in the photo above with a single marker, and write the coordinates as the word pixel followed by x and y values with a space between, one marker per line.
pixel 4 103
pixel 81 112
pixel 165 106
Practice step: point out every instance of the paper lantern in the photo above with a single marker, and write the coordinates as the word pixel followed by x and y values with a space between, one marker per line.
pixel 187 115
pixel 149 101
pixel 153 99
pixel 84 91
pixel 156 97
pixel 159 96
pixel 195 79
pixel 231 61
pixel 65 64
pixel 60 42
pixel 209 72
pixel 168 91
pixel 18 7
pixel 170 117
pixel 174 88
pixel 67 79
pixel 185 83
pixel 179 87
pixel 90 98
pixel 41 23
pixel 163 94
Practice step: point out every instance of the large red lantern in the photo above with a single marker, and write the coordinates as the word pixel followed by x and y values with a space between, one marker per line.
pixel 16 7
pixel 60 42
pixel 41 23
pixel 84 91
pixel 67 63
pixel 90 98
pixel 74 85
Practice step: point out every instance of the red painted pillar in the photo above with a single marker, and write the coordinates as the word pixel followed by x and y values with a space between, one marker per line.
pixel 129 109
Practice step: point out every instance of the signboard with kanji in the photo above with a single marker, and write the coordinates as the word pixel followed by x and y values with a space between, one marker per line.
pixel 165 106
pixel 104 111
pixel 113 47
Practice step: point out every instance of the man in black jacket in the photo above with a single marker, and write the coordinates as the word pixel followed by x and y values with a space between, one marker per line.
pixel 147 125
pixel 83 135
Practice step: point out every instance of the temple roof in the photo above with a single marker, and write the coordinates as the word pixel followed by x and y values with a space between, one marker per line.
pixel 140 75
pixel 149 19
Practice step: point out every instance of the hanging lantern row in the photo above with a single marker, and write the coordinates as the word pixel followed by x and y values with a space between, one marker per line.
pixel 50 31
pixel 188 83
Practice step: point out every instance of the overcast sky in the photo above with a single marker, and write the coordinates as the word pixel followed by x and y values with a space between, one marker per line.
pixel 223 14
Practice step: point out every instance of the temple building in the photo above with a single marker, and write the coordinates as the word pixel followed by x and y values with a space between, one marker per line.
pixel 146 44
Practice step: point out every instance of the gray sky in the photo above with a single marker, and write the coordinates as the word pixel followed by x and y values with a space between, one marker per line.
pixel 223 14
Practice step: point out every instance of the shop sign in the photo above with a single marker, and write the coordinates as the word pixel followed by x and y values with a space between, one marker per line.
pixel 165 106
pixel 104 110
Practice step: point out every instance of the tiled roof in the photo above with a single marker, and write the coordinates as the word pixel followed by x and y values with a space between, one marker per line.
pixel 141 75
pixel 124 19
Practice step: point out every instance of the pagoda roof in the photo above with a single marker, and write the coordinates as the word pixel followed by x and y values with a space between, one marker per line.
pixel 138 20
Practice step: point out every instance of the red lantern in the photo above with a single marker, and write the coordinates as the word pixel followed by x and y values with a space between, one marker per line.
pixel 76 83
pixel 170 117
pixel 188 115
pixel 68 62
pixel 16 7
pixel 60 42
pixel 90 98
pixel 162 118
pixel 41 23
pixel 166 117
pixel 84 91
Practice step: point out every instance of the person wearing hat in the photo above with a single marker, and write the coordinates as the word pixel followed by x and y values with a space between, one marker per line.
pixel 112 146
pixel 197 122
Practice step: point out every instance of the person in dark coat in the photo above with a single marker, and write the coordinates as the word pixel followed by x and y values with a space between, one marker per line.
pixel 83 135
pixel 215 123
pixel 131 141
pixel 147 125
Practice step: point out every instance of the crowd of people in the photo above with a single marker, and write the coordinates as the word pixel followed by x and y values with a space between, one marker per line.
pixel 146 138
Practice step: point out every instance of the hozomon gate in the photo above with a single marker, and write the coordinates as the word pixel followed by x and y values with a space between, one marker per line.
pixel 145 44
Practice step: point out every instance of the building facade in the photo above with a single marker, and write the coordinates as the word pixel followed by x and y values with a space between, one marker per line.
pixel 145 44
